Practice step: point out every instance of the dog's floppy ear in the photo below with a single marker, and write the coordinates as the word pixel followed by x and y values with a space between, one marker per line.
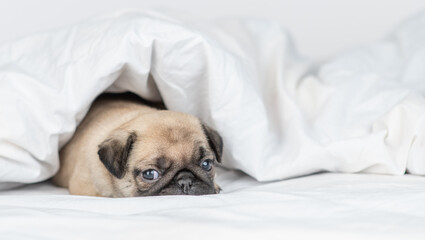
pixel 214 140
pixel 114 151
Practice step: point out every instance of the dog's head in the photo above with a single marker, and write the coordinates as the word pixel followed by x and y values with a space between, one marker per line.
pixel 162 153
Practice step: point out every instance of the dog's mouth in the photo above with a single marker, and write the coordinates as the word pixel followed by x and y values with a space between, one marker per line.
pixel 197 188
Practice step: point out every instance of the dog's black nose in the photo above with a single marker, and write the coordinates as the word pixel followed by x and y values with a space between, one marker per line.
pixel 185 181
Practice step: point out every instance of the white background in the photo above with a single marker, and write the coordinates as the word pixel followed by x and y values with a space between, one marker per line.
pixel 321 28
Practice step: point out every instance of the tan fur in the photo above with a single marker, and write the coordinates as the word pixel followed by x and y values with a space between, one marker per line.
pixel 173 135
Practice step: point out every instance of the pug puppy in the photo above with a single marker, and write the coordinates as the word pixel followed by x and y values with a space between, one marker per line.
pixel 124 148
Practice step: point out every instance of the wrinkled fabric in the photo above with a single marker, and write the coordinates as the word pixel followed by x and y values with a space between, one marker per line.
pixel 321 206
pixel 280 115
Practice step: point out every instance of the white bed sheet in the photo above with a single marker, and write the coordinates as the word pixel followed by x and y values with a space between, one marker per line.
pixel 323 206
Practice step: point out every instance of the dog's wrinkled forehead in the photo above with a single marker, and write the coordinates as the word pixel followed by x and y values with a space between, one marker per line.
pixel 175 134
pixel 168 135
pixel 175 143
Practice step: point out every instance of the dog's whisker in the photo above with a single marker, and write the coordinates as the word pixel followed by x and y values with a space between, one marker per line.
pixel 125 187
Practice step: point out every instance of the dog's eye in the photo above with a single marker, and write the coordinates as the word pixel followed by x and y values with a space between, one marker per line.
pixel 207 165
pixel 150 175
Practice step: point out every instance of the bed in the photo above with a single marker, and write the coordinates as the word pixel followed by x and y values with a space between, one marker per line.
pixel 336 143
pixel 323 206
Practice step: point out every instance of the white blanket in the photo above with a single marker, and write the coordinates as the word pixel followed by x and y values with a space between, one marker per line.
pixel 325 206
pixel 280 115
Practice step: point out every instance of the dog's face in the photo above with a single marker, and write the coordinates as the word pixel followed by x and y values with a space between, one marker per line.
pixel 162 153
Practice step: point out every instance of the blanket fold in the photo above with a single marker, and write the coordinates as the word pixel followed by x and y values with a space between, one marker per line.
pixel 280 115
